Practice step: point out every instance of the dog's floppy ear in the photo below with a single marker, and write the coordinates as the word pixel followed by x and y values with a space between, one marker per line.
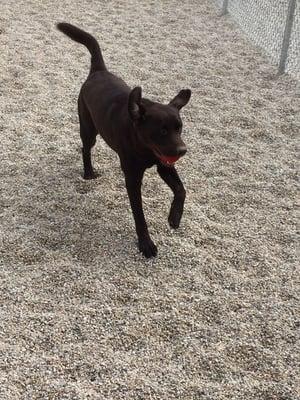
pixel 135 109
pixel 181 99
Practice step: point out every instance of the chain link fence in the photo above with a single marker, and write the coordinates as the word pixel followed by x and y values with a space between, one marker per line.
pixel 274 25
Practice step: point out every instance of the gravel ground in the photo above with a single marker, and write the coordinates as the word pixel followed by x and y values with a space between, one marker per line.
pixel 82 314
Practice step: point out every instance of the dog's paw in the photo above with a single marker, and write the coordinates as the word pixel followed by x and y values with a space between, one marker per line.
pixel 148 248
pixel 90 175
pixel 174 219
pixel 175 214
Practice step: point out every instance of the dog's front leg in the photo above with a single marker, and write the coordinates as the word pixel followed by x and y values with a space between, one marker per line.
pixel 170 176
pixel 133 180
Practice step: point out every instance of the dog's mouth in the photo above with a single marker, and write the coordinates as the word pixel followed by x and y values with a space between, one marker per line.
pixel 168 161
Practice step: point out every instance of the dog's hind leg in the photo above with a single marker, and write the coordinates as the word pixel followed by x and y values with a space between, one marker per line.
pixel 170 176
pixel 88 135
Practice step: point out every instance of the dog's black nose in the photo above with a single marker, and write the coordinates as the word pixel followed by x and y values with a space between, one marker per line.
pixel 181 151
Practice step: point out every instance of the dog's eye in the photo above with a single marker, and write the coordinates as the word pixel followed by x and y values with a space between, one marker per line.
pixel 164 131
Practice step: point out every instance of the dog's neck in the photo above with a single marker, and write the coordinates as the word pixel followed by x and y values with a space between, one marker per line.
pixel 140 149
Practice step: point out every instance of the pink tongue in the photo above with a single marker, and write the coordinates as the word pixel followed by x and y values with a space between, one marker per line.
pixel 170 160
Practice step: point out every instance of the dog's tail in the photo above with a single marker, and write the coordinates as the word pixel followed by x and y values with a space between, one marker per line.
pixel 97 62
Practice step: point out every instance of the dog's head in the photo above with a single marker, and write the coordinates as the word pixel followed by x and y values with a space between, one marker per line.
pixel 159 126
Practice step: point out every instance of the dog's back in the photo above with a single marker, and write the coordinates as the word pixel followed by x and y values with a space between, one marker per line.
pixel 103 96
pixel 106 97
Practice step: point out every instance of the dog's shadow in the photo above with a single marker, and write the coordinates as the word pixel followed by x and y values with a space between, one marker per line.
pixel 79 218
pixel 89 221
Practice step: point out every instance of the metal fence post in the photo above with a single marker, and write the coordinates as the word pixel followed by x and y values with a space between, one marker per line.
pixel 225 7
pixel 287 36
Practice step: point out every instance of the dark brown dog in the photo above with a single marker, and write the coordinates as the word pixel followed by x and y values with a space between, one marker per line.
pixel 142 132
